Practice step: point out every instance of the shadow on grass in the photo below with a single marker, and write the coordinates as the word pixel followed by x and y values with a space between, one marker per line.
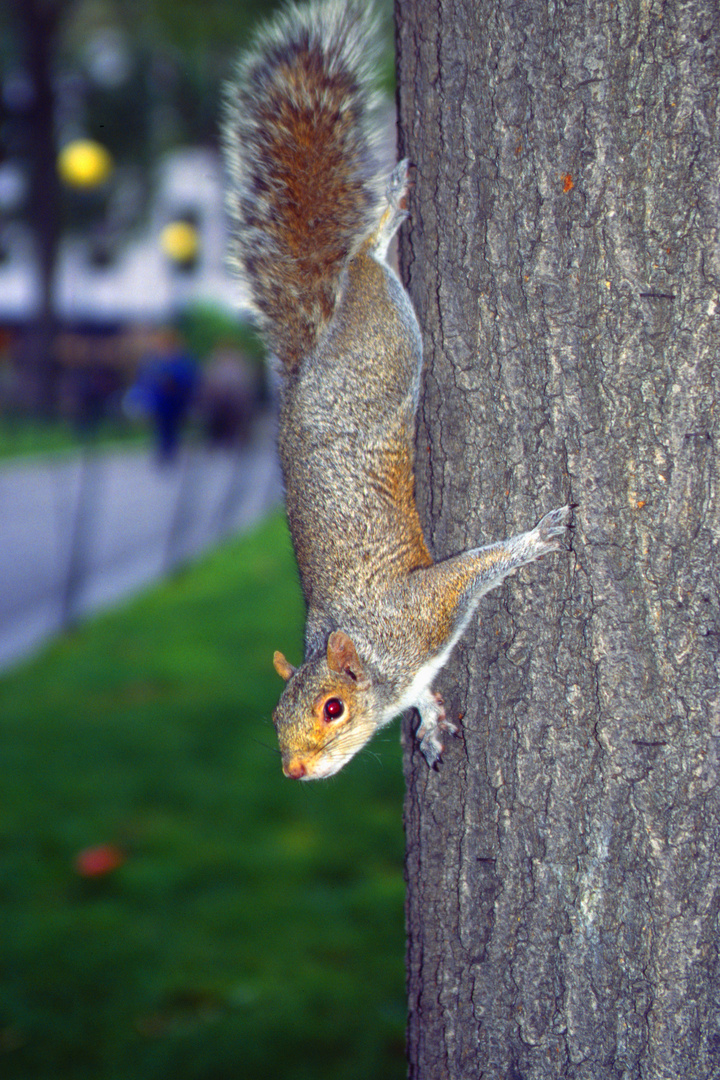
pixel 250 926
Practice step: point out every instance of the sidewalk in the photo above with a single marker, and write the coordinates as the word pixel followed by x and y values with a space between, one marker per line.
pixel 81 531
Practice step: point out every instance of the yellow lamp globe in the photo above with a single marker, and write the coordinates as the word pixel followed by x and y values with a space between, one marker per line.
pixel 180 241
pixel 84 163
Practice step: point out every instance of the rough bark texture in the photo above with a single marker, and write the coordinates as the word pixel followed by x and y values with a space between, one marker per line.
pixel 563 255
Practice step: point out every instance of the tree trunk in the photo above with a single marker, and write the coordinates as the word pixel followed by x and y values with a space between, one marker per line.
pixel 564 259
pixel 37 24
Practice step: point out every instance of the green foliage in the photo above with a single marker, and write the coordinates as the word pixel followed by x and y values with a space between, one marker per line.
pixel 204 326
pixel 24 435
pixel 255 928
pixel 195 28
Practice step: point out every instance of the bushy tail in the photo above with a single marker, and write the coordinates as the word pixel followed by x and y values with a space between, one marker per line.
pixel 303 186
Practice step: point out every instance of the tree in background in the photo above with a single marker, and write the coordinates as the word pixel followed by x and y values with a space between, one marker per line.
pixel 38 25
pixel 563 256
pixel 138 78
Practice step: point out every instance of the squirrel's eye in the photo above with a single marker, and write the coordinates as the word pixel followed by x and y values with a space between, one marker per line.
pixel 334 709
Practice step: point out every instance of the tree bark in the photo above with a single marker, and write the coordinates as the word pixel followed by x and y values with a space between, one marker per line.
pixel 37 22
pixel 564 259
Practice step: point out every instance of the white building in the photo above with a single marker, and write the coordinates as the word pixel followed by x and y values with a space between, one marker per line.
pixel 142 284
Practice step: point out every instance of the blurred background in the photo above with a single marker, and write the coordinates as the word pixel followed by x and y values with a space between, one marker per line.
pixel 171 905
pixel 110 188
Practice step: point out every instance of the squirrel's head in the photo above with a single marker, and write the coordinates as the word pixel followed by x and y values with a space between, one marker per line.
pixel 324 715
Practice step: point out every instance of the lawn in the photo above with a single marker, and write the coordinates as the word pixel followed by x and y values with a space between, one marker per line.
pixel 23 435
pixel 254 926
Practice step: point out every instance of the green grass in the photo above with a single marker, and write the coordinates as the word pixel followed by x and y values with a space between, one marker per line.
pixel 21 436
pixel 256 927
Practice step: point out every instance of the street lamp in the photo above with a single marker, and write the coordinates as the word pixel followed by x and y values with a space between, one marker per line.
pixel 84 164
pixel 180 242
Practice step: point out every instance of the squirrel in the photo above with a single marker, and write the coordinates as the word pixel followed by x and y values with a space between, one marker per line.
pixel 310 227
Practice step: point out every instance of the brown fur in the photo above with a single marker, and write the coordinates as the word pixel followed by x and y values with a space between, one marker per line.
pixel 299 149
pixel 311 236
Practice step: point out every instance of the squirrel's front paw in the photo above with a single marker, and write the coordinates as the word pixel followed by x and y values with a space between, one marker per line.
pixel 433 721
pixel 550 531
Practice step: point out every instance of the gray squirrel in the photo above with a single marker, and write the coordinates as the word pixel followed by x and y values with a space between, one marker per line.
pixel 311 226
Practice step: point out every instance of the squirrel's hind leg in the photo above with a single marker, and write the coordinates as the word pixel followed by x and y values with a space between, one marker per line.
pixel 394 211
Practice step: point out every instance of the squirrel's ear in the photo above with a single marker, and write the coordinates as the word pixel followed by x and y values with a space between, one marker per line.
pixel 342 656
pixel 282 667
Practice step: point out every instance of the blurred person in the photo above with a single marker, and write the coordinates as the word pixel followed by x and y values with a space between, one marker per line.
pixel 228 397
pixel 165 390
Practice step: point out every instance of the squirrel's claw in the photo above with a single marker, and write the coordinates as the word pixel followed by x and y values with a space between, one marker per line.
pixel 433 721
pixel 552 529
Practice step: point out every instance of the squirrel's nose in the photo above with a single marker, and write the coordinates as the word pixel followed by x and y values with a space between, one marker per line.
pixel 295 769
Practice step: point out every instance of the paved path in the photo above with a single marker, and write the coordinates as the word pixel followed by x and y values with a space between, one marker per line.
pixel 81 531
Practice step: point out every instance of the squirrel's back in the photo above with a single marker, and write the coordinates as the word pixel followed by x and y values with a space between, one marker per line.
pixel 299 141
